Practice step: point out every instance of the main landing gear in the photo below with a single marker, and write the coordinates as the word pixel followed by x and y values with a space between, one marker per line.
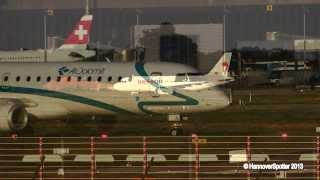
pixel 176 124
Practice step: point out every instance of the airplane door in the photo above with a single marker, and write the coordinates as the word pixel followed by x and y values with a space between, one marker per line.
pixel 5 79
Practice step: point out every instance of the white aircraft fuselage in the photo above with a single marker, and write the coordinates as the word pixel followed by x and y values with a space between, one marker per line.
pixel 62 90
pixel 55 90
pixel 52 55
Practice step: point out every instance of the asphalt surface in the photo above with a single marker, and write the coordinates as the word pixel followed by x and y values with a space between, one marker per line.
pixel 165 164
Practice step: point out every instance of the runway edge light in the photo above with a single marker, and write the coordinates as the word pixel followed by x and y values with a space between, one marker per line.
pixel 284 135
pixel 104 136
pixel 14 136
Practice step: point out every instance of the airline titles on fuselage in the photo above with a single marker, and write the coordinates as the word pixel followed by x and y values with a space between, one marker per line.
pixel 81 71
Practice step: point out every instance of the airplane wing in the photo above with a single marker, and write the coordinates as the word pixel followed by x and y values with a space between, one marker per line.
pixel 185 85
pixel 82 54
pixel 20 101
pixel 76 55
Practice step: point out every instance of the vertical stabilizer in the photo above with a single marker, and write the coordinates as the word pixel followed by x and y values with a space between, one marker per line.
pixel 80 36
pixel 222 67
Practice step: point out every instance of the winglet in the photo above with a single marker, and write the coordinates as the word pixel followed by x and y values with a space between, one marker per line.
pixel 80 36
pixel 222 66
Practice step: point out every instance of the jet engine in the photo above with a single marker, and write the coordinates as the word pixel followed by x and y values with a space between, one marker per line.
pixel 13 117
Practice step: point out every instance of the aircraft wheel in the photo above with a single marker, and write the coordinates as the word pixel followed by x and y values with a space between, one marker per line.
pixel 176 132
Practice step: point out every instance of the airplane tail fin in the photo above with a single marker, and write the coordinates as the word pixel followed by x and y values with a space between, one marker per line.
pixel 221 69
pixel 80 36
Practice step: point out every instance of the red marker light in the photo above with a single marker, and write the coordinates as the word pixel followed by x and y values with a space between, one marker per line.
pixel 194 135
pixel 14 136
pixel 284 135
pixel 104 136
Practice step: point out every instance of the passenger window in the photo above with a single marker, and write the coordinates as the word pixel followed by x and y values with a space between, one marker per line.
pixel 18 78
pixel 48 79
pixel 6 78
pixel 28 79
pixel 109 78
pixel 99 79
pixel 59 78
pixel 79 78
pixel 69 79
pixel 119 78
pixel 38 79
pixel 89 78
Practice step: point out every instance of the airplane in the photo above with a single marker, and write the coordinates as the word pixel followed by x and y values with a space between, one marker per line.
pixel 73 49
pixel 54 90
pixel 192 82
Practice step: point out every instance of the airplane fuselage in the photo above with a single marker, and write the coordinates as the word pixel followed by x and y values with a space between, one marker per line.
pixel 57 90
pixel 57 55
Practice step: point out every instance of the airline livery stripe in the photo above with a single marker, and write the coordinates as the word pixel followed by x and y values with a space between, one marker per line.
pixel 189 101
pixel 64 96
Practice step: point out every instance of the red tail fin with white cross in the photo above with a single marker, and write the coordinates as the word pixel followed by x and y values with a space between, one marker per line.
pixel 80 36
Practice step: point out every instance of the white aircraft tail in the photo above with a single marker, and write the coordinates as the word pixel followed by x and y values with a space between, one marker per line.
pixel 221 69
pixel 80 36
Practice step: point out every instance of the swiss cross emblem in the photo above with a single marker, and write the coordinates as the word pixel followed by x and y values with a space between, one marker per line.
pixel 81 32
pixel 225 66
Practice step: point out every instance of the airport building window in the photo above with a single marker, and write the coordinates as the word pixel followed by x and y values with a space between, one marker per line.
pixel 99 79
pixel 59 78
pixel 48 79
pixel 38 79
pixel 6 78
pixel 18 78
pixel 109 78
pixel 89 78
pixel 79 78
pixel 28 79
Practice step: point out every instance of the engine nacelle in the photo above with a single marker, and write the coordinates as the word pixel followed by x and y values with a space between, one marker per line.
pixel 13 117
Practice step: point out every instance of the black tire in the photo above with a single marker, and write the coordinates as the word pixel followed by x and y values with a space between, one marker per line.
pixel 174 132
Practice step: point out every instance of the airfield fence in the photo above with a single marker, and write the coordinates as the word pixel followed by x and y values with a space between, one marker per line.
pixel 134 158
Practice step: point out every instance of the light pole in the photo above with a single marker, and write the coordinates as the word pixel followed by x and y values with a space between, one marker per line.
pixel 87 7
pixel 225 14
pixel 138 11
pixel 304 40
pixel 45 36
pixel 304 33
pixel 224 28
pixel 48 12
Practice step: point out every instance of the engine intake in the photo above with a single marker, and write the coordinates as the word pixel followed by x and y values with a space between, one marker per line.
pixel 13 117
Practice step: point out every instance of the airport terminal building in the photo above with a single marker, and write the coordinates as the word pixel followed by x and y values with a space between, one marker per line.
pixel 247 24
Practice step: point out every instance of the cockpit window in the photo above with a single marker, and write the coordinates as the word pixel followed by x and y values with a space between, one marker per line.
pixel 181 74
pixel 156 74
pixel 126 79
pixel 189 74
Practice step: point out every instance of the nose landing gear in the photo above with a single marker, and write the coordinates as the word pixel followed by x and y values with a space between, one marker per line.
pixel 175 124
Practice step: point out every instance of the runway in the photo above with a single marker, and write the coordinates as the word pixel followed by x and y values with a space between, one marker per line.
pixel 197 157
